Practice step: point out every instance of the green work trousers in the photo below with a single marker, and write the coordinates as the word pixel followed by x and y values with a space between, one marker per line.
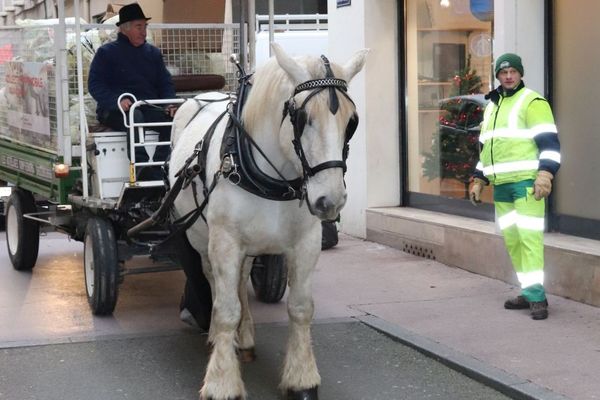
pixel 521 220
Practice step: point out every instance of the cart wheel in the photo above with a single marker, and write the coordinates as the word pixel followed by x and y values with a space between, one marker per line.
pixel 22 234
pixel 269 277
pixel 101 264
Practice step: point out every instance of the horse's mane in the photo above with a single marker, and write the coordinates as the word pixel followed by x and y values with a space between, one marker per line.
pixel 271 87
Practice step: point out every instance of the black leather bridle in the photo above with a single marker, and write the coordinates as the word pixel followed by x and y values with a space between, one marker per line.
pixel 299 117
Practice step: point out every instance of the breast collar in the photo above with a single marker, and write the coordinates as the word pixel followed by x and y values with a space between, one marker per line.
pixel 238 163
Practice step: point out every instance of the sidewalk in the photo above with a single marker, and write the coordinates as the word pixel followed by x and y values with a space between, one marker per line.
pixel 448 313
pixel 461 316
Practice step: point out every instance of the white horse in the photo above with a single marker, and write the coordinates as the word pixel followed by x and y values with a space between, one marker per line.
pixel 240 224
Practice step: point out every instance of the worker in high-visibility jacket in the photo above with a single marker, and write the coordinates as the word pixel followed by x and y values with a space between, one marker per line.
pixel 520 155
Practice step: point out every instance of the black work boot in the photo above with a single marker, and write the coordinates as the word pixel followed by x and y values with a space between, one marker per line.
pixel 539 309
pixel 517 303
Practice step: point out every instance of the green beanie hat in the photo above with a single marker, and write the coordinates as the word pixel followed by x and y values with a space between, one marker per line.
pixel 509 60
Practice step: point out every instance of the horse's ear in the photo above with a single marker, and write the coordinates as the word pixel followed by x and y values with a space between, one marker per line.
pixel 291 67
pixel 355 64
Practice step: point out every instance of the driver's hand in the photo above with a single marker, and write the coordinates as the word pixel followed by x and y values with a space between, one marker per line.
pixel 126 104
pixel 171 110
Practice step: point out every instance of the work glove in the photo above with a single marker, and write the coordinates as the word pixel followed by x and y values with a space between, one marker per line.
pixel 542 185
pixel 476 189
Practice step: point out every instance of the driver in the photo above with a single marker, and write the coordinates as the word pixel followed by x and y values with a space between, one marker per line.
pixel 130 64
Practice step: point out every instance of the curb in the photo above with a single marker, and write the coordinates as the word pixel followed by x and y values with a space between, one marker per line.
pixel 504 382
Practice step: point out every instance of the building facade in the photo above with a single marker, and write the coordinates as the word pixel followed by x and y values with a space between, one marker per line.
pixel 420 101
pixel 421 94
pixel 420 97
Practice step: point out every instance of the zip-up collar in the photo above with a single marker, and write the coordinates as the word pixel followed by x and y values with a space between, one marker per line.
pixel 495 94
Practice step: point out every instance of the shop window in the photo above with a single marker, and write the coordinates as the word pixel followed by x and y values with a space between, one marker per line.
pixel 449 67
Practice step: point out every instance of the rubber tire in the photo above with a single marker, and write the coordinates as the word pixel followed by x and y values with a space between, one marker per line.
pixel 22 234
pixel 269 277
pixel 101 266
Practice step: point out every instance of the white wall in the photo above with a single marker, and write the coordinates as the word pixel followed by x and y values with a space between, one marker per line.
pixel 373 165
pixel 293 42
pixel 519 28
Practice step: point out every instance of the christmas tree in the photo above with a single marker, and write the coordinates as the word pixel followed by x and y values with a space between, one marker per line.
pixel 454 147
pixel 466 81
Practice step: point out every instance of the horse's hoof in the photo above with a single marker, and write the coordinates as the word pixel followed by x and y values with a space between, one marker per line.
pixel 247 355
pixel 304 394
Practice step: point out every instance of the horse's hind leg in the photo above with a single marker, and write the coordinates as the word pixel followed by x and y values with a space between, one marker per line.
pixel 223 379
pixel 300 377
pixel 246 328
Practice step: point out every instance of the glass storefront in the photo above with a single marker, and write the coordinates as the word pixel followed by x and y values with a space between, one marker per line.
pixel 449 68
pixel 448 51
pixel 575 95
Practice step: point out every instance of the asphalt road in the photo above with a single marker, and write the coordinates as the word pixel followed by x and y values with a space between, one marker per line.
pixel 355 361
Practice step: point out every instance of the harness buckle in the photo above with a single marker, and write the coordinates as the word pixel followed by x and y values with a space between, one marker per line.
pixel 199 146
pixel 302 194
pixel 227 164
pixel 234 178
pixel 229 170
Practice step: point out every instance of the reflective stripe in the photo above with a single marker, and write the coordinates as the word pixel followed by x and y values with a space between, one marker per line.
pixel 513 119
pixel 487 116
pixel 530 223
pixel 550 155
pixel 479 166
pixel 508 220
pixel 511 167
pixel 507 133
pixel 521 221
pixel 527 279
pixel 544 128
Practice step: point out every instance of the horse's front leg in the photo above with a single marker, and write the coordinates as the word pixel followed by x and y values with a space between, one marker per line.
pixel 300 377
pixel 246 328
pixel 223 379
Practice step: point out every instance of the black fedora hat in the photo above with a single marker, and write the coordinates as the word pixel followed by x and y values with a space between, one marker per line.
pixel 131 12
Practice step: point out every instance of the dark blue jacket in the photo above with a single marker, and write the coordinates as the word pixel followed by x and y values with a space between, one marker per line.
pixel 119 67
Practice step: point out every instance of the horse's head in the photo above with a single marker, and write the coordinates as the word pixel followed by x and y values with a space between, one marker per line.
pixel 319 119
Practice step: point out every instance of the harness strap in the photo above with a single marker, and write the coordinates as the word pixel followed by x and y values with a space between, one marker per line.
pixel 185 177
pixel 329 164
pixel 242 134
pixel 183 223
pixel 187 173
pixel 334 103
pixel 201 106
pixel 159 216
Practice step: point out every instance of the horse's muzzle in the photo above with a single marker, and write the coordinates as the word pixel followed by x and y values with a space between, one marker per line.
pixel 325 209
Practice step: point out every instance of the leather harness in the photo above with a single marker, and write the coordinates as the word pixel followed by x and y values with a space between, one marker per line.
pixel 237 160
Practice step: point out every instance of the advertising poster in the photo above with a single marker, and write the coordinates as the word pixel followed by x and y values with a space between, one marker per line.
pixel 27 99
